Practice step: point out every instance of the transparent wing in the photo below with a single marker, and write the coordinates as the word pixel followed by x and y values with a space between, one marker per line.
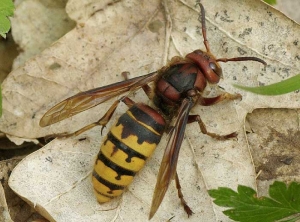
pixel 88 99
pixel 169 162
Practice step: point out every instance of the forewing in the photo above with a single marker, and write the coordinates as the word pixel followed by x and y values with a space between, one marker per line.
pixel 88 99
pixel 168 164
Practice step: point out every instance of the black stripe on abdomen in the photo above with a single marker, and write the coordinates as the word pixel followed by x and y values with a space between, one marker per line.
pixel 119 170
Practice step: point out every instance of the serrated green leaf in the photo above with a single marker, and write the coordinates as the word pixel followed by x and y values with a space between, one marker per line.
pixel 283 87
pixel 280 192
pixel 6 10
pixel 247 207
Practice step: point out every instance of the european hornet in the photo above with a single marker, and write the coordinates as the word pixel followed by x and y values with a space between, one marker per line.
pixel 177 88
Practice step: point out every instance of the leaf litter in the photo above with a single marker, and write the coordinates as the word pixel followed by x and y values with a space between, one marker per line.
pixel 95 54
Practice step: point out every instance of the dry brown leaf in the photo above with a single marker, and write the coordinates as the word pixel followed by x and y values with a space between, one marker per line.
pixel 134 36
pixel 4 212
pixel 36 25
pixel 275 150
pixel 288 7
pixel 13 206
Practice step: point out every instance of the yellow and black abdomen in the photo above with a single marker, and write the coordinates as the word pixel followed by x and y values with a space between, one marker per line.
pixel 126 148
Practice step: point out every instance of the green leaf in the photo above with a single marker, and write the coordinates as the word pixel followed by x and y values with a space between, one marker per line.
pixel 271 2
pixel 285 86
pixel 6 10
pixel 247 207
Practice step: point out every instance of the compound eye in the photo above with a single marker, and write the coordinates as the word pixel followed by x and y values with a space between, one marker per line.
pixel 217 69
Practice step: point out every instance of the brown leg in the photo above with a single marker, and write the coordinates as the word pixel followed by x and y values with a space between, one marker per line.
pixel 187 209
pixel 147 89
pixel 196 118
pixel 125 75
pixel 213 100
pixel 104 119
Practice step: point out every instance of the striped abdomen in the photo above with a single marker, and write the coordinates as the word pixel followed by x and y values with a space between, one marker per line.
pixel 124 151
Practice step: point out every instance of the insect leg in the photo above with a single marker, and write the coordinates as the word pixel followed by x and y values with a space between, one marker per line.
pixel 196 118
pixel 187 209
pixel 213 100
pixel 125 75
pixel 147 89
pixel 104 119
